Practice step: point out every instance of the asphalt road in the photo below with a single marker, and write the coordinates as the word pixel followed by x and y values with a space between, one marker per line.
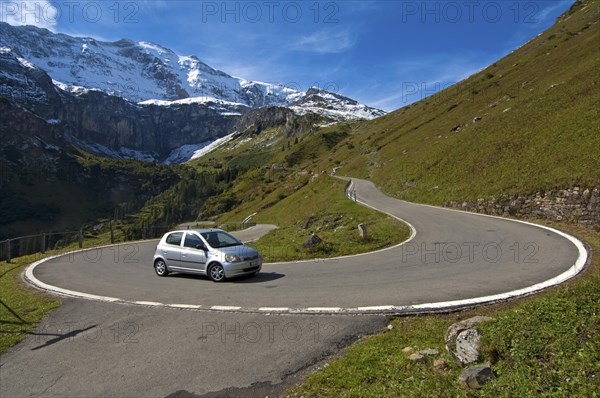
pixel 89 348
pixel 94 349
pixel 454 256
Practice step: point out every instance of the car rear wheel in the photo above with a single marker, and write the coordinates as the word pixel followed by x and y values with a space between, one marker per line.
pixel 161 268
pixel 216 273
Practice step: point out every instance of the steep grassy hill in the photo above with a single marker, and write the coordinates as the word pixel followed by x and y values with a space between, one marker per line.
pixel 529 122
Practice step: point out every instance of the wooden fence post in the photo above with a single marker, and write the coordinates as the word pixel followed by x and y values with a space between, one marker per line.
pixel 81 238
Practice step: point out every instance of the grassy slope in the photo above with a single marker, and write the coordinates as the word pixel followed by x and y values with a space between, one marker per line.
pixel 335 221
pixel 538 130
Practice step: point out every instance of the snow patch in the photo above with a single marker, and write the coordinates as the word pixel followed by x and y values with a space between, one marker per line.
pixel 155 48
pixel 191 100
pixel 122 153
pixel 189 152
pixel 26 63
pixel 212 146
pixel 185 153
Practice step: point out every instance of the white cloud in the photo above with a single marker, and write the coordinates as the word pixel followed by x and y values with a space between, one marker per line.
pixel 325 42
pixel 41 13
pixel 546 12
pixel 411 81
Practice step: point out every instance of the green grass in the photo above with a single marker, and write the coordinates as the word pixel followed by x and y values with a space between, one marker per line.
pixel 545 345
pixel 21 307
pixel 334 218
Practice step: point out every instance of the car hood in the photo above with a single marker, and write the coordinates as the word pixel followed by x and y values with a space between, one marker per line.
pixel 242 251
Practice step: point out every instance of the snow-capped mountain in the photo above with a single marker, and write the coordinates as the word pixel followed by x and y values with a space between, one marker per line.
pixel 334 106
pixel 149 74
pixel 140 100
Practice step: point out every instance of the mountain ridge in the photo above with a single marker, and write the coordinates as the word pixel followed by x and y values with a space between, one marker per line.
pixel 148 73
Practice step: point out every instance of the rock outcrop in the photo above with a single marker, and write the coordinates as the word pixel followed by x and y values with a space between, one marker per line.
pixel 462 340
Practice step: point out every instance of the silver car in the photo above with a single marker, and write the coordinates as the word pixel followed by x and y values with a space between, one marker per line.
pixel 210 252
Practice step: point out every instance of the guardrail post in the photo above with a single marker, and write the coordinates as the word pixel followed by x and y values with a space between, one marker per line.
pixel 81 238
pixel 112 234
pixel 8 251
pixel 43 243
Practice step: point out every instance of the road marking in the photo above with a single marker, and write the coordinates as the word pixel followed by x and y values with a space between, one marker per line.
pixel 151 303
pixel 324 309
pixel 225 308
pixel 386 309
pixel 185 306
pixel 380 308
pixel 274 309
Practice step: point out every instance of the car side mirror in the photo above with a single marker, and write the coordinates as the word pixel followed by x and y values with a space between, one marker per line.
pixel 201 247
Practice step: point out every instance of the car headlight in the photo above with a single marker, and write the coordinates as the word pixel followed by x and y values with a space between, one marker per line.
pixel 230 258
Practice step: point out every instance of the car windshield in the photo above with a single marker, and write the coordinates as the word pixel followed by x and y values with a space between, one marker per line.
pixel 218 239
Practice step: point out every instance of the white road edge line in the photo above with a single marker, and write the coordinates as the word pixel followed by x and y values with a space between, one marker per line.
pixel 225 308
pixel 150 303
pixel 324 309
pixel 185 306
pixel 574 270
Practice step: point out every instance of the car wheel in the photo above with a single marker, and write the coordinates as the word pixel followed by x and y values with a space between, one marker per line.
pixel 216 273
pixel 161 268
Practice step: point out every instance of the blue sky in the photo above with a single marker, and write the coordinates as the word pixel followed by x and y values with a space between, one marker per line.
pixel 383 53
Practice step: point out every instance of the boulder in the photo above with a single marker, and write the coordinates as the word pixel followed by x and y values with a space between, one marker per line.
pixel 307 221
pixel 312 240
pixel 429 351
pixel 463 340
pixel 476 376
pixel 417 358
pixel 467 346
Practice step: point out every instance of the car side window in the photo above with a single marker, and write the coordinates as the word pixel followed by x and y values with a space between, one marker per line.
pixel 192 240
pixel 174 238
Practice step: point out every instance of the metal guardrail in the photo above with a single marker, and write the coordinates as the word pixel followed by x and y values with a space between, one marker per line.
pixel 227 226
pixel 40 243
pixel 31 244
pixel 236 226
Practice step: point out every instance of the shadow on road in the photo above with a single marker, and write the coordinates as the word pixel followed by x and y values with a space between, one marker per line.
pixel 258 278
pixel 59 337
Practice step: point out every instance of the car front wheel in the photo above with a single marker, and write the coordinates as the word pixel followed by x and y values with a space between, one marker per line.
pixel 216 273
pixel 161 268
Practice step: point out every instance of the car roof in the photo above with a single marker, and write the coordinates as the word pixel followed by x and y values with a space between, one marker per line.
pixel 200 230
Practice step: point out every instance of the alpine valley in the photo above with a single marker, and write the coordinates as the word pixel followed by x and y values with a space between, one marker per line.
pixel 64 99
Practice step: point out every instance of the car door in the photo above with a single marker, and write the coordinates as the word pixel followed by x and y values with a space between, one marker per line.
pixel 171 249
pixel 193 255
